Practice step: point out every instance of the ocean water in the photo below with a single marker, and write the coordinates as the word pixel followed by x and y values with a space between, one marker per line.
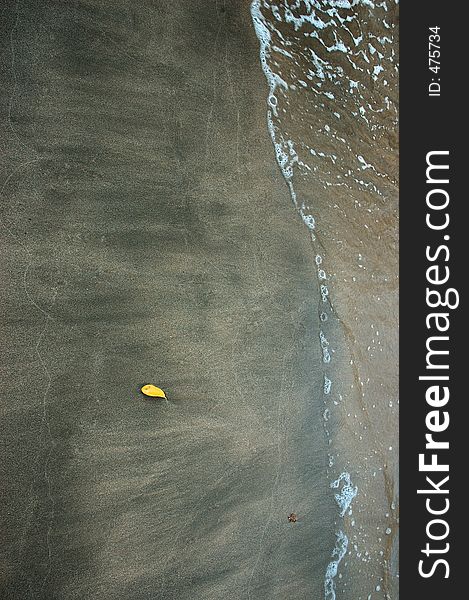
pixel 332 115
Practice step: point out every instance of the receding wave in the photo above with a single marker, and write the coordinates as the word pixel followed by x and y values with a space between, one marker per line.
pixel 331 110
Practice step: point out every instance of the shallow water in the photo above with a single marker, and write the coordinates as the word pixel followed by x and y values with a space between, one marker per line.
pixel 149 236
pixel 332 108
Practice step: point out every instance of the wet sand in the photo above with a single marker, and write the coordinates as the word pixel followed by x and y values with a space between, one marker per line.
pixel 148 237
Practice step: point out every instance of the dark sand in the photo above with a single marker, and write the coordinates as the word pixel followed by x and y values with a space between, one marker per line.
pixel 148 237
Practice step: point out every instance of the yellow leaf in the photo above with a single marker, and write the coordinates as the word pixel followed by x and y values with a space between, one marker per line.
pixel 153 391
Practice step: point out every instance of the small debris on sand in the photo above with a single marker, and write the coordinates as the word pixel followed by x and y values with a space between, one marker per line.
pixel 153 391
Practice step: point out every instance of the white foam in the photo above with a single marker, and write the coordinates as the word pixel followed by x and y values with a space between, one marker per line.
pixel 324 293
pixel 326 356
pixel 376 71
pixel 308 220
pixel 338 553
pixel 347 493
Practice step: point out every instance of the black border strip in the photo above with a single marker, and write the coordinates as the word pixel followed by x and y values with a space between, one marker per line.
pixel 432 123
